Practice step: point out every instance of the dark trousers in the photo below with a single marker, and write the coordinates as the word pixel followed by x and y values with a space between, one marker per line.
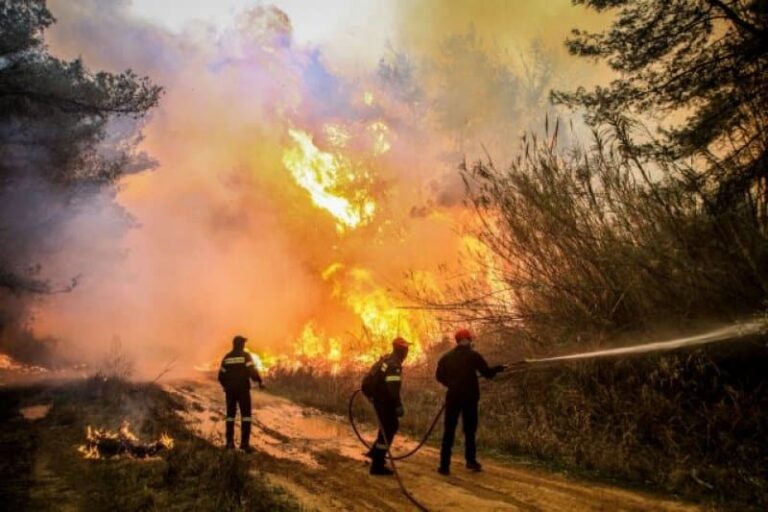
pixel 389 422
pixel 467 409
pixel 238 398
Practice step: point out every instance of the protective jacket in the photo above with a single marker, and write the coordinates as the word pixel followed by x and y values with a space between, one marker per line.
pixel 457 370
pixel 384 381
pixel 237 370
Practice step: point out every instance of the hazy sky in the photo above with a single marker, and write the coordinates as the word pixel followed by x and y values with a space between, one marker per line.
pixel 356 28
pixel 361 28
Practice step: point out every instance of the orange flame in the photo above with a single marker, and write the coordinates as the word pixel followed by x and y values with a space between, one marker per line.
pixel 331 180
pixel 380 317
pixel 102 442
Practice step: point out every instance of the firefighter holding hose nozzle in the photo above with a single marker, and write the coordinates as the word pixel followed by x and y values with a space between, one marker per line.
pixel 236 371
pixel 457 370
pixel 381 385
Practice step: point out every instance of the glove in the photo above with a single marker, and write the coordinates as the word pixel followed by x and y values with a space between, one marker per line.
pixel 499 368
pixel 399 411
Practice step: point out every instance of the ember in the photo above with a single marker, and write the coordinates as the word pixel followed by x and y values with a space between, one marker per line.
pixel 106 444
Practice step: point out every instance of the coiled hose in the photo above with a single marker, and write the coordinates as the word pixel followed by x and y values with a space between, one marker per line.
pixel 391 457
pixel 399 457
pixel 403 489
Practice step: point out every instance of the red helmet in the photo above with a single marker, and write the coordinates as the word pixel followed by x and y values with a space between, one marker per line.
pixel 400 343
pixel 462 334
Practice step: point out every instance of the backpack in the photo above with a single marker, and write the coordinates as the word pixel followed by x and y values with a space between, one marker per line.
pixel 371 384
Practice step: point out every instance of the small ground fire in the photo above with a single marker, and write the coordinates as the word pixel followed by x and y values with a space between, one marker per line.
pixel 102 443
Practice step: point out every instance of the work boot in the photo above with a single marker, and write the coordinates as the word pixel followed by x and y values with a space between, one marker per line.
pixel 474 466
pixel 381 471
pixel 230 446
pixel 444 471
pixel 247 449
pixel 230 434
pixel 245 433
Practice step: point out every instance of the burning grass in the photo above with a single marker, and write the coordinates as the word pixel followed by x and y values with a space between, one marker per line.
pixel 102 443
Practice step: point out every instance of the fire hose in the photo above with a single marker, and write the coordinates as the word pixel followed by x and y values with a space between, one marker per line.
pixel 404 490
pixel 404 456
pixel 413 451
pixel 391 457
pixel 513 367
pixel 399 457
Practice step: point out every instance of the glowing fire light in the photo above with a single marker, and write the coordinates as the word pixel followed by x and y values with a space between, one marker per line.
pixel 327 177
pixel 313 344
pixel 380 317
pixel 379 132
pixel 488 266
pixel 336 135
pixel 339 187
pixel 166 441
pixel 104 443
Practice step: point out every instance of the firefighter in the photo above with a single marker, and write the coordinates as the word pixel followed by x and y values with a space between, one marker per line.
pixel 382 386
pixel 457 370
pixel 236 371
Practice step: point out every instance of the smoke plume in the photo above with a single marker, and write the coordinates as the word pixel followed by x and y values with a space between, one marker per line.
pixel 293 186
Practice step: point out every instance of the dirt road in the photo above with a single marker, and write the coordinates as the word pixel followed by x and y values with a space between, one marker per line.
pixel 317 458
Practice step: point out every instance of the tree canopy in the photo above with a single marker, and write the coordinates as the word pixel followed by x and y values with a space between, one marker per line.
pixel 53 118
pixel 66 137
pixel 703 60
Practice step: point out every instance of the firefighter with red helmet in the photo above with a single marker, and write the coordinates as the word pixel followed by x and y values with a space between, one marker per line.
pixel 235 375
pixel 457 370
pixel 381 386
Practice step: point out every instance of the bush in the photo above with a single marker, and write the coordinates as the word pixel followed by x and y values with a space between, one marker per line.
pixel 596 240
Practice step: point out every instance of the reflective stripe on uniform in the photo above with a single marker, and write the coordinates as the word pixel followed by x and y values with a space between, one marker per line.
pixel 381 446
pixel 234 360
pixel 392 378
pixel 249 363
pixel 384 367
pixel 230 420
pixel 247 419
pixel 223 370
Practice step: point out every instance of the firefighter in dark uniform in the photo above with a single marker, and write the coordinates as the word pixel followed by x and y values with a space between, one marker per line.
pixel 236 371
pixel 457 370
pixel 382 387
